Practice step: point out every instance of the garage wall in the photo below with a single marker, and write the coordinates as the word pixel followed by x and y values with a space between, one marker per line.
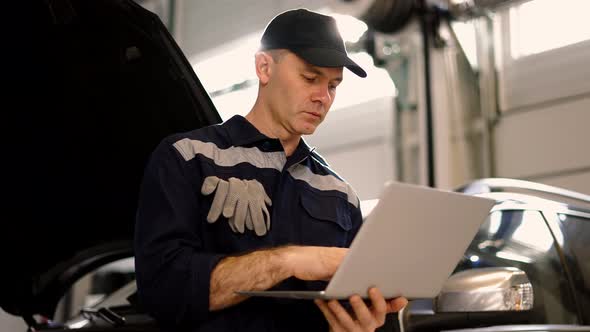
pixel 546 144
pixel 542 133
pixel 358 142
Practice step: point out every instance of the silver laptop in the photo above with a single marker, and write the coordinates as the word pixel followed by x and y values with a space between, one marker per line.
pixel 408 245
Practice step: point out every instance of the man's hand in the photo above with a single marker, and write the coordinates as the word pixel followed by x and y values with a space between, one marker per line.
pixel 363 317
pixel 261 270
pixel 315 263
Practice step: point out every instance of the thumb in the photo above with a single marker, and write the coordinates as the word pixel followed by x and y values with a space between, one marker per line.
pixel 396 304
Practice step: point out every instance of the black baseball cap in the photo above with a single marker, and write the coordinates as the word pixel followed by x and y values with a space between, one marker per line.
pixel 312 36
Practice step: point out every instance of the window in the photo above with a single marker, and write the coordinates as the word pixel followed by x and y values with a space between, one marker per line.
pixel 466 34
pixel 542 25
pixel 543 52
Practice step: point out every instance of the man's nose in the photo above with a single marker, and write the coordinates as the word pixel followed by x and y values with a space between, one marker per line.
pixel 322 94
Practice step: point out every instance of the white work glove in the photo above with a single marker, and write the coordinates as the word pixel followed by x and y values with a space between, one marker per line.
pixel 221 187
pixel 236 204
pixel 259 218
pixel 243 202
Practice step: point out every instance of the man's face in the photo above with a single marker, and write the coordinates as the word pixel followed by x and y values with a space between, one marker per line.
pixel 300 94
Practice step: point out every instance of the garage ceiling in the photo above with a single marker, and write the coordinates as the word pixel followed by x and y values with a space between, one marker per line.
pixel 203 25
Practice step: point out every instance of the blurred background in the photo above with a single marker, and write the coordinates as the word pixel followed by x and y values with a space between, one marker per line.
pixel 457 90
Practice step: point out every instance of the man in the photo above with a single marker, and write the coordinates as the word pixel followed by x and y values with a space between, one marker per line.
pixel 248 205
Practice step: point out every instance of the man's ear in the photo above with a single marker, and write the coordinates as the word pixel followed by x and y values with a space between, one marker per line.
pixel 263 62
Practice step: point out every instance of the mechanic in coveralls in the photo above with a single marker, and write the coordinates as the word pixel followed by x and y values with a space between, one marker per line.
pixel 248 205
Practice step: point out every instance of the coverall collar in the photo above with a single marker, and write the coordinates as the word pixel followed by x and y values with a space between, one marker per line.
pixel 243 133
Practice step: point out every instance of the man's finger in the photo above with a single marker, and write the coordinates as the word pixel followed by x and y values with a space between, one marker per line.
pixel 396 304
pixel 378 305
pixel 363 314
pixel 341 315
pixel 332 320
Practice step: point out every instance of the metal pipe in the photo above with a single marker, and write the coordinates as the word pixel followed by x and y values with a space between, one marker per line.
pixel 425 26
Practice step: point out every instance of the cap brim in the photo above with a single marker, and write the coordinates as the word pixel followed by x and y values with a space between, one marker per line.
pixel 325 57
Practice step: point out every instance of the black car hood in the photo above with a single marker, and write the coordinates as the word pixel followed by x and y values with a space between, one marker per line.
pixel 93 86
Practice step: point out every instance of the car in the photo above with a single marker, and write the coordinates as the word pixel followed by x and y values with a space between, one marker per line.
pixel 536 231
pixel 523 271
pixel 95 86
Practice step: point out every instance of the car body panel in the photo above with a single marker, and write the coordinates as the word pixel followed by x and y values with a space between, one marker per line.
pixel 97 84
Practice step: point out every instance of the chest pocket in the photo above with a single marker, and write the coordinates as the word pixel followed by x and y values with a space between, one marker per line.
pixel 326 219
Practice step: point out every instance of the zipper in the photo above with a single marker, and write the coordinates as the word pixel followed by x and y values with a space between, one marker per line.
pixel 302 159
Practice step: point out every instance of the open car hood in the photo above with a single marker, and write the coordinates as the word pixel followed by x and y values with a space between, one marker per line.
pixel 94 86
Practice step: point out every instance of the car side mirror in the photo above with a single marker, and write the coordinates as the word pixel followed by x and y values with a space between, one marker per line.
pixel 486 289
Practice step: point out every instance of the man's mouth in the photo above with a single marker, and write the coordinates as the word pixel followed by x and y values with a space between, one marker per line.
pixel 315 114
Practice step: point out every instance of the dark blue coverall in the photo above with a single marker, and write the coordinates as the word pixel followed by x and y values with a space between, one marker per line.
pixel 176 248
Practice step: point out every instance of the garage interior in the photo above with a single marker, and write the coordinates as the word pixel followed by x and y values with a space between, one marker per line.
pixel 501 91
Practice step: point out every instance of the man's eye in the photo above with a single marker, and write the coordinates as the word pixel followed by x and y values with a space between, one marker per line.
pixel 308 78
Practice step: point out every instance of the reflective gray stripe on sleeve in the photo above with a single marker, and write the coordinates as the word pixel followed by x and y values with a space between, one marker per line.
pixel 324 182
pixel 232 156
